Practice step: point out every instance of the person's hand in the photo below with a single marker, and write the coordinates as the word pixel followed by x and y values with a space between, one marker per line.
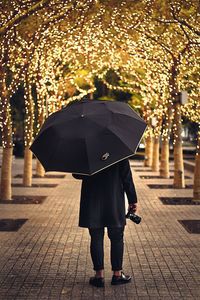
pixel 132 207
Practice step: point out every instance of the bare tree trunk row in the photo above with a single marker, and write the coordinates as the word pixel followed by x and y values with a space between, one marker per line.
pixel 164 162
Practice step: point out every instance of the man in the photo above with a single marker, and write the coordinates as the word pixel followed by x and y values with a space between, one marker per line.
pixel 103 205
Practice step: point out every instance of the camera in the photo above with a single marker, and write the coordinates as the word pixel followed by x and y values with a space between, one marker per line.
pixel 133 217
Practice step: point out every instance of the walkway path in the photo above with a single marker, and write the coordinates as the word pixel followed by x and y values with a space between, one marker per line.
pixel 48 257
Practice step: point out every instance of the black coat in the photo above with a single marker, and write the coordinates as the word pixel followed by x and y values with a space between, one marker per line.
pixel 102 196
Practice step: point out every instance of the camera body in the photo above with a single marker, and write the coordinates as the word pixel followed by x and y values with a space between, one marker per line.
pixel 133 217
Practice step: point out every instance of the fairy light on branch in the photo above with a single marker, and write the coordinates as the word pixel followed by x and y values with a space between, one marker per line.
pixel 92 38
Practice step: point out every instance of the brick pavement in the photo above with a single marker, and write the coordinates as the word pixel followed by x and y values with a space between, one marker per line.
pixel 48 257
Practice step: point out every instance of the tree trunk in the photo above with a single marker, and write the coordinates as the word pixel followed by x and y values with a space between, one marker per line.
pixel 91 96
pixel 156 143
pixel 27 176
pixel 6 174
pixel 167 124
pixel 148 151
pixel 179 180
pixel 155 158
pixel 28 134
pixel 42 109
pixel 196 191
pixel 164 165
pixel 39 169
pixel 6 129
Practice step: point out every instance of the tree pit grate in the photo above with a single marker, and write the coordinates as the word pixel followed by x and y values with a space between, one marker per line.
pixel 11 224
pixel 41 185
pixel 159 177
pixel 19 199
pixel 192 226
pixel 142 170
pixel 179 201
pixel 136 166
pixel 45 176
pixel 50 176
pixel 167 186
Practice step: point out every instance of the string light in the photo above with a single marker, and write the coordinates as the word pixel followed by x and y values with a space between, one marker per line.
pixel 96 37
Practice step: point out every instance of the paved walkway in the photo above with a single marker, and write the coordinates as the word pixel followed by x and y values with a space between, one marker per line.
pixel 48 257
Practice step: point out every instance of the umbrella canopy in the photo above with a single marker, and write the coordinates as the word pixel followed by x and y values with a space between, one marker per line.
pixel 88 136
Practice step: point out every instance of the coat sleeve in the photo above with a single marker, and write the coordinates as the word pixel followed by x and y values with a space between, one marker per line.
pixel 127 180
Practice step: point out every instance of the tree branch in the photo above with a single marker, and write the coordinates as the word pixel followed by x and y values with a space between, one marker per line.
pixel 157 42
pixel 164 21
pixel 16 20
pixel 185 32
pixel 183 51
pixel 184 23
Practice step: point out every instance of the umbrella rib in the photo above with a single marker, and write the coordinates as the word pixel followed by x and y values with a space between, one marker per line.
pixel 136 118
pixel 112 164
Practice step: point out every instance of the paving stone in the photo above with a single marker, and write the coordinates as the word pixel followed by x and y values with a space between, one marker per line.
pixel 49 257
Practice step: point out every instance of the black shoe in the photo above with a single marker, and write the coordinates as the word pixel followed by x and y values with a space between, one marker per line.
pixel 123 279
pixel 97 281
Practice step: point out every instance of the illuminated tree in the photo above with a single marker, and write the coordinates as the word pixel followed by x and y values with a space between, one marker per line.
pixel 61 46
pixel 175 43
pixel 16 34
pixel 192 111
pixel 11 72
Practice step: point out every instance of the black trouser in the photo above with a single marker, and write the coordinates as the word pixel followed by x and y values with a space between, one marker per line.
pixel 97 249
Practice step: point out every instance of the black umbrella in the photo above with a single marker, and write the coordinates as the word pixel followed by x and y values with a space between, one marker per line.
pixel 88 136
